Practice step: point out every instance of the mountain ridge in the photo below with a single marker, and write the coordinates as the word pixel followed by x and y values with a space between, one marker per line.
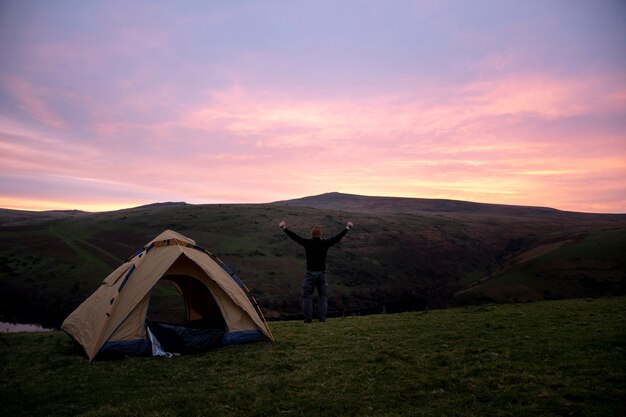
pixel 362 203
pixel 426 203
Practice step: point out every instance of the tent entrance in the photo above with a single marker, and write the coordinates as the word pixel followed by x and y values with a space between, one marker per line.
pixel 166 303
pixel 183 299
pixel 184 316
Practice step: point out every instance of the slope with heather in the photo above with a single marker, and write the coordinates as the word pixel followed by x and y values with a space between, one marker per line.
pixel 403 254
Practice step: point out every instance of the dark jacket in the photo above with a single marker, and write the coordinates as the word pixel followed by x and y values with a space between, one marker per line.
pixel 316 249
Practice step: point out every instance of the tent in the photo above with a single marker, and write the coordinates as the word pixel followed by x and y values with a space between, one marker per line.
pixel 219 307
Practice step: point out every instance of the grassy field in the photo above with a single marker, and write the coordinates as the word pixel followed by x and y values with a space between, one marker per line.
pixel 561 358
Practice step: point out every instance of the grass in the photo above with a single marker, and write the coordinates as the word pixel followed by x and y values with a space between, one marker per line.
pixel 590 266
pixel 544 358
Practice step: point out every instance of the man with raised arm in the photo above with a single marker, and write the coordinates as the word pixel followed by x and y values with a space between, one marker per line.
pixel 316 250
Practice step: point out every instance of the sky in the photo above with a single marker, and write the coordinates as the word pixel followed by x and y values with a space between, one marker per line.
pixel 113 104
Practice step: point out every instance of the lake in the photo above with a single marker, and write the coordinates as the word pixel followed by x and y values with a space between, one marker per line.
pixel 21 327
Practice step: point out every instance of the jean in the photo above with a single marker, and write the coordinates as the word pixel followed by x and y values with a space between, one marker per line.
pixel 313 280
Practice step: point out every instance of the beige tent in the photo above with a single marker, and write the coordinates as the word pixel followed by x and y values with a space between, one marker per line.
pixel 219 308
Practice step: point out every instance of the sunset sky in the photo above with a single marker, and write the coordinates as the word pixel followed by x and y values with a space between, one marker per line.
pixel 106 105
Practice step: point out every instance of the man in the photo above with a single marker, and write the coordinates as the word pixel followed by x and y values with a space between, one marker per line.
pixel 316 250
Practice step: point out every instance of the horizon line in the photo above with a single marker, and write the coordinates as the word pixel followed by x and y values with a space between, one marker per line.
pixel 112 208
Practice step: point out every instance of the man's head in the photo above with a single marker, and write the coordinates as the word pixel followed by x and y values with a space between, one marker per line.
pixel 316 231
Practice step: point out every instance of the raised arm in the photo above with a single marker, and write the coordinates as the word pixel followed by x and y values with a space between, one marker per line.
pixel 291 234
pixel 340 235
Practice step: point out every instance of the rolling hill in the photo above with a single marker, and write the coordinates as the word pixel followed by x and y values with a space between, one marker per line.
pixel 404 254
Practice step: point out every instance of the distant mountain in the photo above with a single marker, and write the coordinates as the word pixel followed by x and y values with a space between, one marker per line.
pixel 369 204
pixel 164 204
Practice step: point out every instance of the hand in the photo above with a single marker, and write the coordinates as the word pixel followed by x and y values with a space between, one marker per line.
pixel 349 225
pixel 282 225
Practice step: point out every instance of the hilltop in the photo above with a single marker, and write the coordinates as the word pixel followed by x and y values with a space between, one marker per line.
pixel 404 254
pixel 375 204
pixel 361 203
pixel 10 218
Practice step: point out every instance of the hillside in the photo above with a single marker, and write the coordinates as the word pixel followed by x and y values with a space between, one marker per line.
pixel 558 358
pixel 20 218
pixel 397 258
pixel 369 204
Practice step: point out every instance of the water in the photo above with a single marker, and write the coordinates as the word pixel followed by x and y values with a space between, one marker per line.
pixel 21 327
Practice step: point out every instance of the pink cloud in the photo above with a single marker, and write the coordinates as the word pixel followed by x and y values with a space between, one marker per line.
pixel 472 142
pixel 32 100
pixel 544 96
pixel 476 118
